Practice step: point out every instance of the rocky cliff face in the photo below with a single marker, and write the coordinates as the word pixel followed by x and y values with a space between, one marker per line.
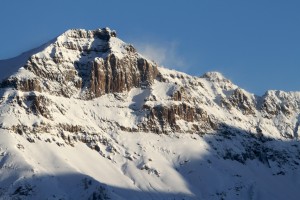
pixel 87 65
pixel 119 75
pixel 92 63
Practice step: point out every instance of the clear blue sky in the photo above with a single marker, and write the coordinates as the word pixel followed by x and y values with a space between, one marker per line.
pixel 255 43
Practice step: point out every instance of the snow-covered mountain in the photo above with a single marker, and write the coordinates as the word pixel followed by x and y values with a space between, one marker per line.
pixel 85 116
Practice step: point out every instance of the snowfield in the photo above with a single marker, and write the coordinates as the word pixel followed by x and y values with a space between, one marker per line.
pixel 147 166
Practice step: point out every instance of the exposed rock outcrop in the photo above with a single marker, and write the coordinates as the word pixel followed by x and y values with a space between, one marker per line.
pixel 178 94
pixel 118 75
pixel 274 103
pixel 162 119
pixel 23 84
pixel 242 101
pixel 92 63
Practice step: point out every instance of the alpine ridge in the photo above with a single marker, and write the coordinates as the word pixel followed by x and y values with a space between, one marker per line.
pixel 86 116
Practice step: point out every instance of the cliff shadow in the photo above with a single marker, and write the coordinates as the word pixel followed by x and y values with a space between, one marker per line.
pixel 237 164
pixel 84 65
pixel 77 186
pixel 138 100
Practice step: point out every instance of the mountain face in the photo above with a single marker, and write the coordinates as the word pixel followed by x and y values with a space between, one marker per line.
pixel 86 116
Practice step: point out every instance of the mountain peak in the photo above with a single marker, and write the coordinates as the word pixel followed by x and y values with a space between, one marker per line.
pixel 88 115
pixel 101 41
pixel 85 62
pixel 101 33
pixel 214 76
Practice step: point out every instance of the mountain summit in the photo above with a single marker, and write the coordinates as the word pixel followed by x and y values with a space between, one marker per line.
pixel 90 62
pixel 86 116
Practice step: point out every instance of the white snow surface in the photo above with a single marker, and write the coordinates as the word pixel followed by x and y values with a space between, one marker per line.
pixel 144 165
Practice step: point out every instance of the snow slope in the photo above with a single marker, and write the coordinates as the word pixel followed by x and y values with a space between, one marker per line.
pixel 176 137
pixel 12 65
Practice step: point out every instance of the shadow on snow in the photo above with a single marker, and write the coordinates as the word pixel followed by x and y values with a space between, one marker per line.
pixel 238 165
